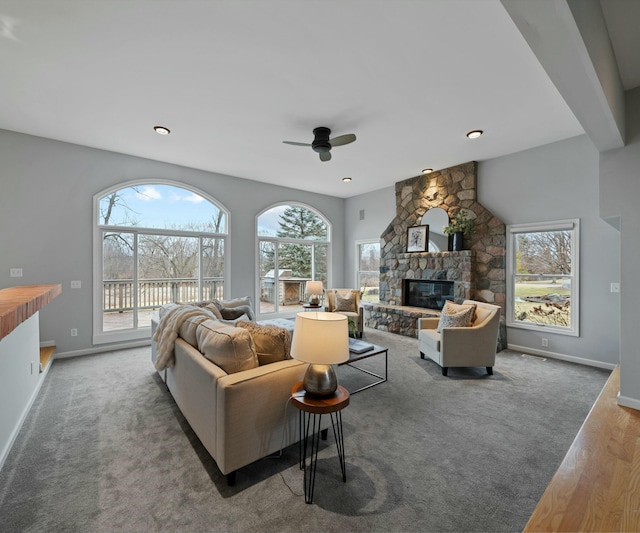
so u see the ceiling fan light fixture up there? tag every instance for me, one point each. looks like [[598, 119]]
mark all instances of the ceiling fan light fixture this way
[[474, 134], [162, 130]]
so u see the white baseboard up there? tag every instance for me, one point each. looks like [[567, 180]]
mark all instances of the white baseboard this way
[[625, 401], [561, 357], [47, 344], [14, 435], [102, 349]]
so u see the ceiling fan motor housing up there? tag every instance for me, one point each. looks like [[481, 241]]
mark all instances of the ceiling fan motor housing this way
[[321, 142]]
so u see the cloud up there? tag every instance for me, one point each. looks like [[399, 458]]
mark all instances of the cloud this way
[[148, 193], [194, 198]]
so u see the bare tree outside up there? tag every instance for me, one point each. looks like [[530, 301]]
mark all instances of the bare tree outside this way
[[168, 262], [543, 278]]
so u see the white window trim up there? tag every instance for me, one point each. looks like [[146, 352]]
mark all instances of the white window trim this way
[[557, 225], [358, 243], [125, 335], [277, 240]]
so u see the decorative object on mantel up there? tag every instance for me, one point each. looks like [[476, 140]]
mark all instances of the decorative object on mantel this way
[[459, 226], [418, 238]]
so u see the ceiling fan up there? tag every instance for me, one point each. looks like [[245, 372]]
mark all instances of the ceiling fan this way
[[322, 144]]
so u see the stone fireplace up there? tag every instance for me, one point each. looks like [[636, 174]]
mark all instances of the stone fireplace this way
[[477, 272]]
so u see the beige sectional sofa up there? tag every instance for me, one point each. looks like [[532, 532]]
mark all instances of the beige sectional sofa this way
[[232, 382]]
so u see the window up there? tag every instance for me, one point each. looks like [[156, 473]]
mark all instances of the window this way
[[154, 243], [368, 270], [293, 248], [542, 269]]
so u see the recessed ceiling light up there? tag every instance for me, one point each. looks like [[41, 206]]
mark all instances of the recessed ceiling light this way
[[427, 170], [162, 130], [474, 134], [346, 179]]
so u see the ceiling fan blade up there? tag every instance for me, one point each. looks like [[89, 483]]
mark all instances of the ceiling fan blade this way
[[342, 139], [325, 156], [296, 144]]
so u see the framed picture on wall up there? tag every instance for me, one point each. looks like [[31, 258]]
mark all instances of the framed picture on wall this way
[[418, 238]]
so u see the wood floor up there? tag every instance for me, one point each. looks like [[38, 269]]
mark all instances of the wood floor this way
[[45, 356], [597, 487]]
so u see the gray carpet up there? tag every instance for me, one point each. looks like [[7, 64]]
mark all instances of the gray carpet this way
[[105, 448]]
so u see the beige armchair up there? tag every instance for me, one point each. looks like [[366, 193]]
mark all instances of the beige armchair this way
[[346, 302], [469, 346]]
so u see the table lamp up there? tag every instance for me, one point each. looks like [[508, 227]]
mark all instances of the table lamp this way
[[320, 339], [314, 288]]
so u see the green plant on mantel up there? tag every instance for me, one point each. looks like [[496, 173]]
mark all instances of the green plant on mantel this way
[[460, 223]]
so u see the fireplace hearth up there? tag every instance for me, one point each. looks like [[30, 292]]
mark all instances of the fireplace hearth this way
[[427, 293]]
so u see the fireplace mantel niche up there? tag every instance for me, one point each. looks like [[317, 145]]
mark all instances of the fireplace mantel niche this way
[[478, 272]]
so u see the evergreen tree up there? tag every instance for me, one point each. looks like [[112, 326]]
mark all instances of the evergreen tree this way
[[299, 223]]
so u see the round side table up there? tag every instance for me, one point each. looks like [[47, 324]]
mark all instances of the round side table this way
[[311, 411]]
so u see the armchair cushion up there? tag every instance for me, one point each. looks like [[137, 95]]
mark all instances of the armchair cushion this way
[[346, 303], [456, 315]]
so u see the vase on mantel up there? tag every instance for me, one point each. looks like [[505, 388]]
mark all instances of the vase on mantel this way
[[456, 245]]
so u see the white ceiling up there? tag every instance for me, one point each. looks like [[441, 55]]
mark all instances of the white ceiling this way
[[232, 79]]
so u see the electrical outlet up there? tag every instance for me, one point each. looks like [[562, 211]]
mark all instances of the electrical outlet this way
[[15, 272], [76, 284], [74, 332], [615, 287], [545, 343]]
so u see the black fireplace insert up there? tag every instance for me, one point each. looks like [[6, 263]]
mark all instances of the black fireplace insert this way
[[427, 293]]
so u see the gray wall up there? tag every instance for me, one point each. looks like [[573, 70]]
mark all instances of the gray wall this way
[[379, 209], [552, 182], [47, 189], [619, 198]]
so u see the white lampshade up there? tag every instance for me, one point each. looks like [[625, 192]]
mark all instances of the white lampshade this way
[[314, 287], [320, 338]]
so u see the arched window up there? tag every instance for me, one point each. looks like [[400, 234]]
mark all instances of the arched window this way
[[154, 243], [293, 248]]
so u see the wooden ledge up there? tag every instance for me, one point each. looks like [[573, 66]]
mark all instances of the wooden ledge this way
[[17, 304], [597, 486]]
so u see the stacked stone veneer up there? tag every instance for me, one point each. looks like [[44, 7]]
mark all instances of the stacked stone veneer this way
[[478, 272]]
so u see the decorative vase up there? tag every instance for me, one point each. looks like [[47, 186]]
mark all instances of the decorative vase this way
[[457, 241]]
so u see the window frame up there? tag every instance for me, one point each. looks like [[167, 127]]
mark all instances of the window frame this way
[[358, 244], [287, 240], [513, 230], [99, 336]]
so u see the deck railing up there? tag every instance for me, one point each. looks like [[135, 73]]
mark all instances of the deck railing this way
[[117, 295]]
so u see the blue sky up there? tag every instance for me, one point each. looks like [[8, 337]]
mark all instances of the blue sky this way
[[165, 206]]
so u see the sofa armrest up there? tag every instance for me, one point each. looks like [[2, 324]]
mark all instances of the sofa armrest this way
[[474, 345], [253, 415], [428, 323]]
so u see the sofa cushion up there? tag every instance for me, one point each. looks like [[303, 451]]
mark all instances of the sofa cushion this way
[[189, 327], [229, 347], [455, 315], [271, 342], [346, 302]]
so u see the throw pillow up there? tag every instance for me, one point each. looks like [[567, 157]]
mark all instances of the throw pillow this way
[[272, 343], [455, 315], [230, 348], [237, 302], [346, 303], [232, 313]]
